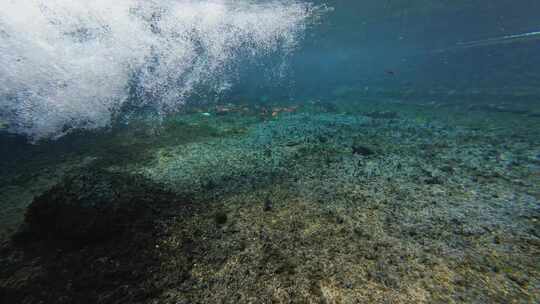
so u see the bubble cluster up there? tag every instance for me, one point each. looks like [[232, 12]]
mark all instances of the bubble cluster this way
[[67, 64]]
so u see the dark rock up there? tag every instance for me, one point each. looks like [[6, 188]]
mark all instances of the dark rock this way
[[267, 204], [210, 185], [124, 216], [93, 206], [433, 180], [220, 218], [362, 150]]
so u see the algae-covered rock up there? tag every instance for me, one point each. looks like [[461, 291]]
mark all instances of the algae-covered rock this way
[[94, 206]]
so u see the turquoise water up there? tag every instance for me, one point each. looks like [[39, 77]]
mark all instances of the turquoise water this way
[[269, 151]]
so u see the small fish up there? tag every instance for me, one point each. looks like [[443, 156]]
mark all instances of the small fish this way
[[390, 72]]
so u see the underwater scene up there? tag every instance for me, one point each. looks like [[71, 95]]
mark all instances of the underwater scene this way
[[269, 151]]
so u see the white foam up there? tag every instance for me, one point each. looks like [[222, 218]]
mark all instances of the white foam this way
[[67, 63]]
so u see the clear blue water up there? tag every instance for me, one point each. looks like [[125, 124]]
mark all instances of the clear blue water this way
[[358, 43]]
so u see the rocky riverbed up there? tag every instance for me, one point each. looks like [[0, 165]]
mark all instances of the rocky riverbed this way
[[362, 202]]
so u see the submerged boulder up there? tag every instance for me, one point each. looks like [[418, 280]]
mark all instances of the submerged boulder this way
[[362, 150], [95, 205]]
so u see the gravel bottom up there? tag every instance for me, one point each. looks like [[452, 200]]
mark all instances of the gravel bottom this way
[[389, 203]]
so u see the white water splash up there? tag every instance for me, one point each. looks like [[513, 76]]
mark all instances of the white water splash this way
[[67, 64]]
